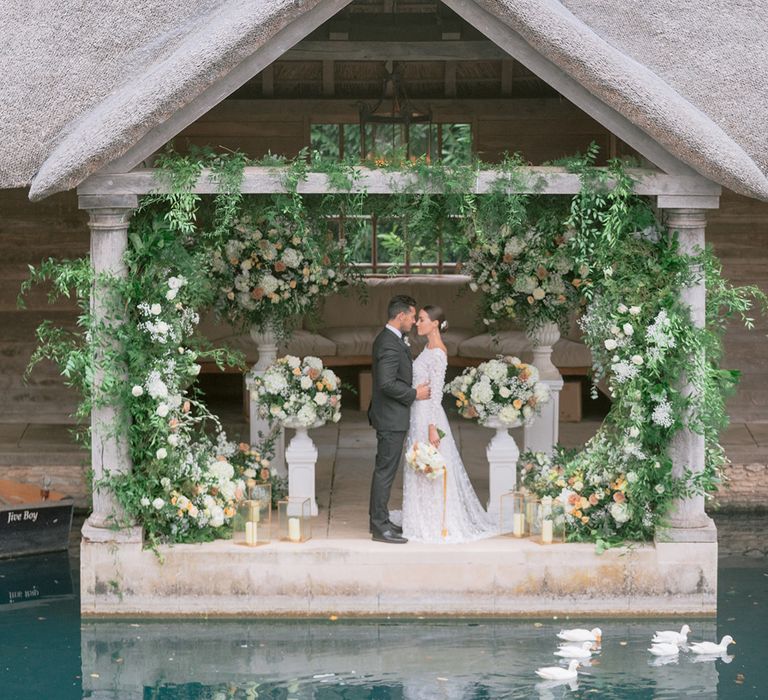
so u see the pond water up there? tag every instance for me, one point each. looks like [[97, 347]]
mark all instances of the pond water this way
[[47, 652]]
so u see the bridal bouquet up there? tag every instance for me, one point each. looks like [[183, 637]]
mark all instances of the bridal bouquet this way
[[271, 271], [425, 459], [298, 391], [504, 389]]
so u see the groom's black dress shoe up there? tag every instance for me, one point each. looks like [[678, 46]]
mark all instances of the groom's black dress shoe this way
[[388, 536], [390, 526]]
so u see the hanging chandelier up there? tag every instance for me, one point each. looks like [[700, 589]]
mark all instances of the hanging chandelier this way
[[394, 108]]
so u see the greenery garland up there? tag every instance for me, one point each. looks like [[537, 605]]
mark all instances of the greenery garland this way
[[621, 253]]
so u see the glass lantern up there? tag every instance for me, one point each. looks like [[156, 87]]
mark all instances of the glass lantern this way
[[294, 519], [551, 516], [253, 525], [532, 510], [512, 514]]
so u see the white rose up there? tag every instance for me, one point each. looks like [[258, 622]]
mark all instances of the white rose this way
[[158, 503], [162, 327], [145, 501], [634, 310], [473, 286], [504, 392], [217, 516], [162, 410], [509, 415], [623, 309], [173, 440], [619, 512], [578, 486], [170, 295], [137, 390], [628, 329], [539, 293], [306, 383], [637, 360], [337, 416], [293, 361], [321, 398], [631, 477], [155, 309], [162, 453], [610, 344], [176, 282]]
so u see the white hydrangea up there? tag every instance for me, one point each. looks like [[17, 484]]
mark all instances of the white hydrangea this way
[[495, 370], [307, 415], [269, 284], [481, 393], [158, 503], [221, 470], [293, 361], [306, 382], [313, 362], [275, 382], [619, 512], [291, 257], [156, 387]]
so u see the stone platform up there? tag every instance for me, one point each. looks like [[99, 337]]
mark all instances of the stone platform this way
[[322, 577]]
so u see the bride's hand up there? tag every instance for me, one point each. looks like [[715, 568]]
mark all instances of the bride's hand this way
[[434, 437]]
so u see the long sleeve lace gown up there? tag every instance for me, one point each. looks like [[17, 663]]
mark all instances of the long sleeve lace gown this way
[[465, 518]]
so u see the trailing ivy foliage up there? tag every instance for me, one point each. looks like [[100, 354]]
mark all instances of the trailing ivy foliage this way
[[614, 259]]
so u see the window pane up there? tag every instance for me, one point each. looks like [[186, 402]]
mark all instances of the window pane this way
[[351, 142], [419, 140], [390, 245], [325, 140], [457, 143], [358, 238]]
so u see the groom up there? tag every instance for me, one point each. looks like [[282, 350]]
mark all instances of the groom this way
[[390, 410]]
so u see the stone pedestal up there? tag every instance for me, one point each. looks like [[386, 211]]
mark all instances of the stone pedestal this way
[[688, 522], [266, 343], [502, 453], [301, 456], [543, 433]]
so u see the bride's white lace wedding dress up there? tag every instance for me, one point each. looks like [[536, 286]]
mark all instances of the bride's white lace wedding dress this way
[[465, 517]]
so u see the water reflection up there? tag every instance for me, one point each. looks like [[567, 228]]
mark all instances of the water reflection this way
[[451, 660]]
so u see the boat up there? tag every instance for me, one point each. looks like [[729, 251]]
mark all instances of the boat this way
[[36, 580], [33, 520]]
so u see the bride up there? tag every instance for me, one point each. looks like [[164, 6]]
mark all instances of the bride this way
[[465, 518]]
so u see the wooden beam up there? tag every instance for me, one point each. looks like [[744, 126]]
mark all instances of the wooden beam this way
[[398, 50], [536, 179]]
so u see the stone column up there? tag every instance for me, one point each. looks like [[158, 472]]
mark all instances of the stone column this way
[[688, 522], [109, 217]]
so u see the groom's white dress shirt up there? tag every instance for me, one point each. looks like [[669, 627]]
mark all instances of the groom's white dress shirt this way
[[395, 331]]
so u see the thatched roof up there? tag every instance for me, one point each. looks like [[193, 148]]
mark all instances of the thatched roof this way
[[80, 83]]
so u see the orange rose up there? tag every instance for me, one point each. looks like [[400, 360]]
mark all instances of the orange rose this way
[[244, 447], [517, 403], [257, 293], [573, 499], [264, 474], [619, 497], [531, 300], [593, 500], [297, 372], [576, 282], [585, 519], [314, 374], [279, 266]]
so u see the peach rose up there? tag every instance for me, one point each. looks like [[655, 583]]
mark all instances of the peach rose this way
[[619, 497]]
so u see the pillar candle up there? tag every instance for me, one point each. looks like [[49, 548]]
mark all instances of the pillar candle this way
[[546, 532], [294, 529], [254, 508], [518, 524], [251, 533]]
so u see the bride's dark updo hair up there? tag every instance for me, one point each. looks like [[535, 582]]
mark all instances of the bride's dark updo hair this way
[[435, 313]]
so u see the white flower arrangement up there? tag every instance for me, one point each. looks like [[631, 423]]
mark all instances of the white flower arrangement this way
[[426, 460], [525, 272], [301, 392], [271, 271], [504, 388]]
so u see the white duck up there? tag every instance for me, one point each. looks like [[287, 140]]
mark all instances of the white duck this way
[[558, 673], [664, 649], [570, 651], [711, 648], [671, 637], [581, 635]]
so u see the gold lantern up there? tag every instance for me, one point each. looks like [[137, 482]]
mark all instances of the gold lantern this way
[[512, 514], [551, 516], [253, 525], [294, 520]]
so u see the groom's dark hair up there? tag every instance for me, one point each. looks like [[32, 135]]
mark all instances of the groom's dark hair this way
[[401, 303]]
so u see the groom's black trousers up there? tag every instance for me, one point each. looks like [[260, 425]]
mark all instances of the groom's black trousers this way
[[388, 453]]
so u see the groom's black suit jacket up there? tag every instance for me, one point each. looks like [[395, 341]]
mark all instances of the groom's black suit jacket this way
[[392, 393]]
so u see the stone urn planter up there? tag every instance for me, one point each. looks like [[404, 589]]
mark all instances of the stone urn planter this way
[[301, 457], [502, 453]]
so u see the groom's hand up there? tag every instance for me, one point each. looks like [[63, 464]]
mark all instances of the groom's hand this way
[[423, 392]]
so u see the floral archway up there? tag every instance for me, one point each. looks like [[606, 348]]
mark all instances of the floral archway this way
[[266, 260]]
